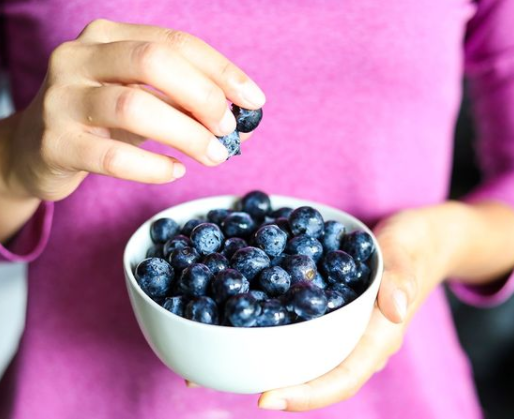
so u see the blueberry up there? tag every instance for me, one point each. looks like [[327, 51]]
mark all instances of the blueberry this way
[[281, 223], [228, 283], [182, 258], [232, 245], [177, 242], [257, 204], [250, 261], [305, 245], [247, 120], [207, 238], [271, 239], [259, 295], [333, 235], [274, 281], [348, 293], [278, 260], [273, 313], [155, 251], [194, 280], [238, 224], [176, 305], [216, 262], [188, 227], [363, 277], [202, 310], [232, 143], [307, 300], [319, 281], [359, 245], [242, 310], [300, 267], [306, 220], [163, 229], [217, 216], [154, 276], [283, 212], [335, 300], [339, 266]]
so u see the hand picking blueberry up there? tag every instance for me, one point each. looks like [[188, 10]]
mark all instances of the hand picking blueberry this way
[[255, 266], [232, 143], [247, 120]]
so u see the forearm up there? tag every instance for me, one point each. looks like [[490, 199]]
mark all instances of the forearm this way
[[15, 208], [475, 241]]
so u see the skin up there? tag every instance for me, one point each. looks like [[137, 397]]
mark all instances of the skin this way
[[82, 121]]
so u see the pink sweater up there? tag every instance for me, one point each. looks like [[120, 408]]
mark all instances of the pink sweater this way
[[362, 101]]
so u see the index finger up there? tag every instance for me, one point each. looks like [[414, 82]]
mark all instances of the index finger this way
[[237, 86]]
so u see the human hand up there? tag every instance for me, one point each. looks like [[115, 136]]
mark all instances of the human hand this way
[[414, 262], [110, 89]]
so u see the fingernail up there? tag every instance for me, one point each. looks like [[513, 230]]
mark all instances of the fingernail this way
[[400, 302], [178, 170], [227, 123], [216, 151], [253, 94], [271, 403]]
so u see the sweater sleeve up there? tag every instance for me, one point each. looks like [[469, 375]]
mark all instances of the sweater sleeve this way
[[31, 240], [489, 65]]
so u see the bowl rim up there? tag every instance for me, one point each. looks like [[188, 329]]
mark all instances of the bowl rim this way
[[242, 330]]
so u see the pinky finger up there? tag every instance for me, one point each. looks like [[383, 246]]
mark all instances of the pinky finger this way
[[121, 160]]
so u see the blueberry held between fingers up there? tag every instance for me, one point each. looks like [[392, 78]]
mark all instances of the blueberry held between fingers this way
[[273, 313], [163, 229], [250, 261], [232, 143], [305, 245], [306, 220], [154, 276], [271, 239], [339, 266], [257, 204], [183, 257], [238, 224], [188, 227], [300, 268], [202, 310], [242, 310], [332, 236], [228, 283], [232, 245], [216, 262], [247, 120], [207, 238], [195, 280], [176, 305], [359, 245], [178, 242], [274, 281], [307, 300]]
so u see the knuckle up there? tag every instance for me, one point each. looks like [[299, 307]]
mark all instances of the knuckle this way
[[61, 55], [229, 72], [96, 29], [214, 100], [147, 57], [125, 105], [109, 161], [177, 39]]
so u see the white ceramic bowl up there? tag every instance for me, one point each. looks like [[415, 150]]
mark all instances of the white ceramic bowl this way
[[249, 360]]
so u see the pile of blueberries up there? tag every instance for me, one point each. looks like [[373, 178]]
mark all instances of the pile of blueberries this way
[[253, 266], [246, 121]]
